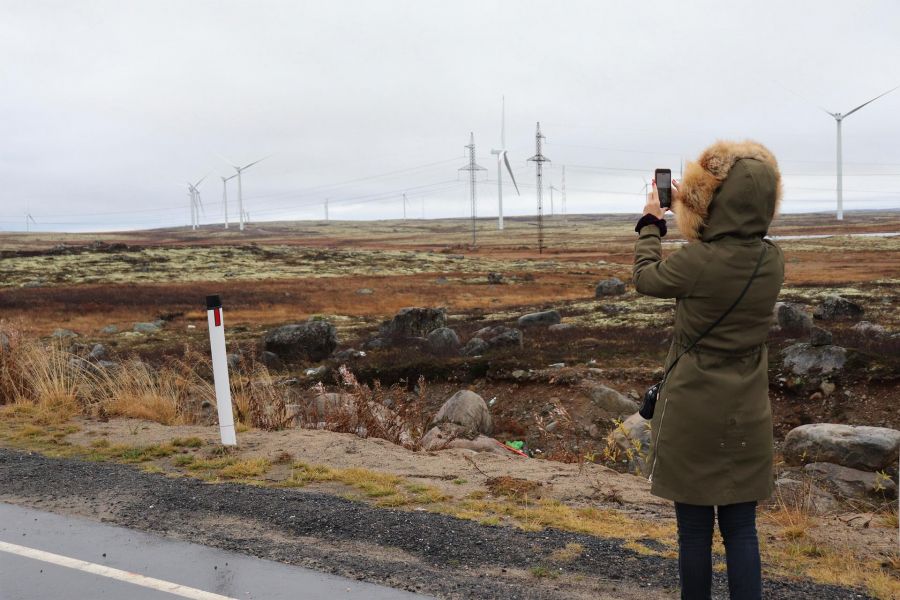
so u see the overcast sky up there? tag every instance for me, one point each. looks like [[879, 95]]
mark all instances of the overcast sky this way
[[108, 108]]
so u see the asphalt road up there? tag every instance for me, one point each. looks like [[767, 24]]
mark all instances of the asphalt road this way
[[49, 556]]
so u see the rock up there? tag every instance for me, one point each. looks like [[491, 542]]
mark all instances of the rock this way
[[495, 278], [609, 287], [270, 360], [233, 360], [313, 340], [109, 330], [4, 342], [792, 318], [498, 337], [349, 354], [442, 281], [447, 436], [852, 483], [556, 365], [146, 327], [827, 388], [107, 364], [870, 329], [316, 371], [854, 446], [803, 359], [547, 317], [35, 283], [364, 291], [561, 326], [805, 496], [443, 340], [63, 334], [613, 309], [610, 401], [375, 344], [835, 307], [98, 352], [475, 347], [468, 409], [819, 337], [414, 322], [632, 437]]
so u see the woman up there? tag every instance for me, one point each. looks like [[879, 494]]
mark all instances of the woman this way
[[711, 441]]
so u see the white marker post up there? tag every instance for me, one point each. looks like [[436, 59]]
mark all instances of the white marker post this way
[[220, 369]]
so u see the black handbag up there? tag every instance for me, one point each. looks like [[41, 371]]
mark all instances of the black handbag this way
[[652, 394]]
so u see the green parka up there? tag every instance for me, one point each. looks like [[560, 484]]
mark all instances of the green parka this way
[[711, 433]]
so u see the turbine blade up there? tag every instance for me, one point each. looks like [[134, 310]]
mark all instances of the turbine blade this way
[[509, 170], [869, 102], [229, 161], [255, 162]]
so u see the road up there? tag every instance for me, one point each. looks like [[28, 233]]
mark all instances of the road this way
[[49, 556]]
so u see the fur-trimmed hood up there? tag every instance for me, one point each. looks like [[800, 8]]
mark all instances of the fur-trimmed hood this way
[[734, 189]]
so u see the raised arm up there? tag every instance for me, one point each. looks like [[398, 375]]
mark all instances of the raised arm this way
[[673, 277]]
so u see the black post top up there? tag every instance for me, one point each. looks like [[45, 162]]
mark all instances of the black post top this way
[[214, 301]]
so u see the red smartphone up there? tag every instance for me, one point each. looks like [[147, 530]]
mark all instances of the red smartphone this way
[[664, 187]]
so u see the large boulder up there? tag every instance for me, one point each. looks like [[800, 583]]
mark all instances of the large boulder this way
[[870, 330], [852, 483], [475, 347], [443, 340], [313, 340], [449, 435], [609, 287], [819, 337], [490, 338], [413, 322], [792, 318], [632, 439], [538, 319], [835, 307], [151, 327], [854, 446], [806, 359], [62, 334], [609, 400], [467, 409], [804, 495]]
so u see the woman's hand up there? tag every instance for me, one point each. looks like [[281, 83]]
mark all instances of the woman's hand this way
[[652, 207]]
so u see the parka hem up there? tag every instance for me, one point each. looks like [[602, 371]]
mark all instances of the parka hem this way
[[704, 499]]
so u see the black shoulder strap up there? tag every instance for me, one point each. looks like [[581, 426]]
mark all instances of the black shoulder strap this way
[[725, 314]]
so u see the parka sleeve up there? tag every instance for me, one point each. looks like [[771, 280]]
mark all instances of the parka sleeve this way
[[673, 277]]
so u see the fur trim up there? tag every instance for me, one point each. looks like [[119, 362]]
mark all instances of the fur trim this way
[[702, 179]]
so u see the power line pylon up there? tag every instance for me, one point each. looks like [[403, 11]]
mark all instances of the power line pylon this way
[[472, 167], [539, 160]]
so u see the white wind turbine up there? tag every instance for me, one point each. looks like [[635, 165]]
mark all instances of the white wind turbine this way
[[29, 220], [240, 192], [196, 203], [225, 195], [502, 159], [839, 118]]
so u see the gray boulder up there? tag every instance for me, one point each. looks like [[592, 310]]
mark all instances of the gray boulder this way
[[98, 352], [792, 318], [870, 330], [4, 342], [365, 291], [835, 307], [109, 330], [449, 435], [609, 287], [349, 354], [499, 337], [805, 359], [313, 340], [609, 400], [233, 359], [852, 483], [270, 360], [819, 337], [414, 322], [146, 327], [467, 409], [561, 327], [63, 334], [804, 495], [475, 347], [443, 340], [854, 446], [544, 318], [632, 438]]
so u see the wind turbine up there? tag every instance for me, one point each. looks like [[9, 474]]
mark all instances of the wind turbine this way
[[839, 118], [501, 160], [196, 203], [240, 193], [225, 195], [552, 188], [28, 221]]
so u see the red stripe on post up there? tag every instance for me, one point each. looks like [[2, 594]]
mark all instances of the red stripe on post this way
[[218, 316]]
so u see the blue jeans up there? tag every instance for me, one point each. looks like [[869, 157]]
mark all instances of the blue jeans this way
[[737, 523]]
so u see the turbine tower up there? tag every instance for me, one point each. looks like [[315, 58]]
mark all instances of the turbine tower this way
[[225, 195], [839, 118], [539, 160], [472, 168], [564, 212], [240, 191], [196, 203], [502, 159], [326, 208], [28, 221]]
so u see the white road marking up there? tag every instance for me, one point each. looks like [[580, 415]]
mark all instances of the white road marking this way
[[104, 571]]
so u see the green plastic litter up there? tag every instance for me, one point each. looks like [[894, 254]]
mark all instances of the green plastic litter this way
[[517, 444]]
